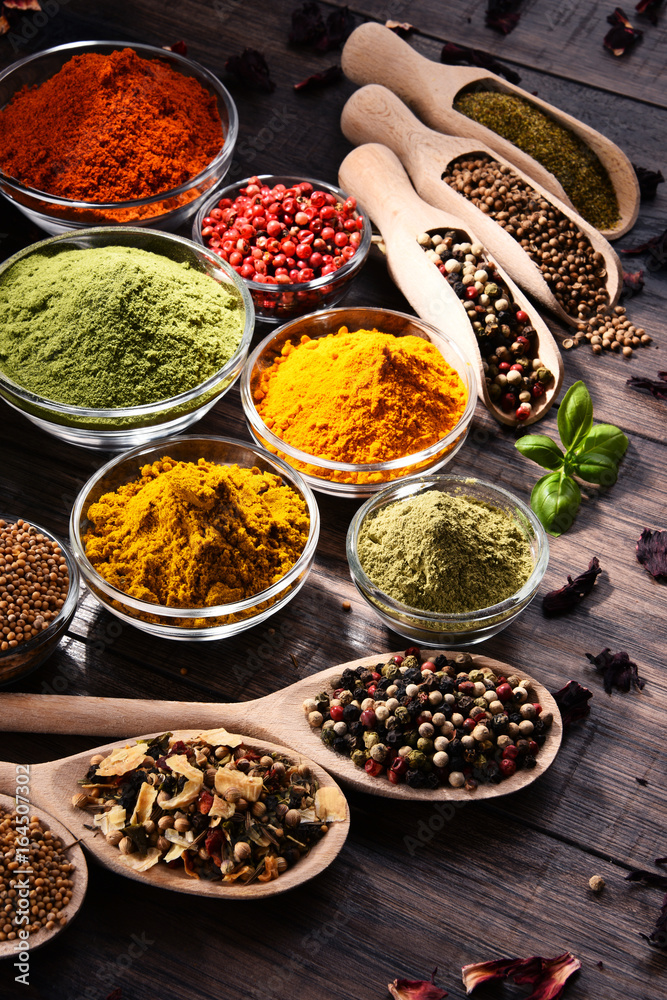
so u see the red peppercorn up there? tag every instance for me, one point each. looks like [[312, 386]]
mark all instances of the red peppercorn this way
[[516, 368], [533, 748], [504, 692], [398, 659], [537, 707], [336, 713], [510, 753], [429, 665], [504, 366], [376, 676], [466, 687], [367, 718], [373, 768], [521, 316], [537, 390], [507, 767], [523, 341], [471, 291], [522, 414], [469, 725], [372, 688], [413, 651]]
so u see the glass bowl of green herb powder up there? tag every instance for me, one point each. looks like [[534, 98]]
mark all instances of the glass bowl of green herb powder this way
[[112, 337], [445, 560]]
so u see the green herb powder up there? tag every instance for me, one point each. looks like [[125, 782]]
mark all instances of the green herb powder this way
[[571, 161], [444, 553], [114, 326]]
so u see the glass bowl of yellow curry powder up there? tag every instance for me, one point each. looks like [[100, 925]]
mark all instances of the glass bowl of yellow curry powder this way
[[447, 561], [195, 537], [354, 398], [113, 337]]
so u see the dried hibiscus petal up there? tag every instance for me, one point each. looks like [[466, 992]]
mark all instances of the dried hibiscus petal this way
[[250, 68], [318, 80], [503, 15], [559, 602], [339, 26], [400, 28], [650, 8], [618, 671], [307, 24], [652, 545], [648, 181], [461, 55], [416, 989], [658, 936], [633, 283], [657, 387], [4, 25], [656, 247], [22, 4], [621, 37], [572, 701], [180, 48], [547, 976]]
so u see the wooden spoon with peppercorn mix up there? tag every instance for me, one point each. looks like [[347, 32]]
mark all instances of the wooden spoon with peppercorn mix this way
[[278, 716], [375, 54], [375, 176]]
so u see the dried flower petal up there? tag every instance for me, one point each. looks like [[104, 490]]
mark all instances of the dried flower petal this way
[[309, 27], [416, 989], [650, 8], [656, 247], [658, 936], [655, 880], [572, 701], [318, 80], [22, 4], [648, 181], [461, 55], [652, 545], [655, 387], [502, 15], [401, 28], [4, 25], [633, 284], [618, 671], [180, 48], [250, 68], [547, 976], [559, 602], [339, 26], [621, 37]]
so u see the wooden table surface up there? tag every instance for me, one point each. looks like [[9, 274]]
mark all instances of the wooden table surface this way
[[411, 890]]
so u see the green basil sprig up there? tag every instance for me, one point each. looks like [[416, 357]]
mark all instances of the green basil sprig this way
[[592, 452]]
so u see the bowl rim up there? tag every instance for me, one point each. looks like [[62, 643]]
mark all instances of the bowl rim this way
[[347, 270], [71, 600], [229, 139], [90, 574], [423, 484], [145, 409], [260, 428]]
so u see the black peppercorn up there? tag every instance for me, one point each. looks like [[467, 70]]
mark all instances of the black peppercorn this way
[[415, 779], [351, 713]]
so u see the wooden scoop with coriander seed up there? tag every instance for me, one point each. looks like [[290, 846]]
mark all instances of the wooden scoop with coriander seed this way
[[374, 114], [277, 716], [375, 54], [375, 176], [53, 785]]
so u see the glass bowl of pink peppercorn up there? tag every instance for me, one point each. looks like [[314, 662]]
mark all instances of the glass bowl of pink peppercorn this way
[[297, 242]]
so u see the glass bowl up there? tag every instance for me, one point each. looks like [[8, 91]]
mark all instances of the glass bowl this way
[[278, 303], [27, 656], [168, 210], [342, 478], [450, 630], [188, 624], [125, 427]]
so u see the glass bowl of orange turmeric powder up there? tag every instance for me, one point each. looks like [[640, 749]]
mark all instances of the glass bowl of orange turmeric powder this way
[[102, 133], [195, 538], [355, 398]]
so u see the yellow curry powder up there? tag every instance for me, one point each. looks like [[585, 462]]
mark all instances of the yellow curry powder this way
[[189, 535], [360, 397]]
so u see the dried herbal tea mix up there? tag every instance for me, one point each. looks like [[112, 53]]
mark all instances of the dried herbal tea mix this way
[[432, 722], [205, 803]]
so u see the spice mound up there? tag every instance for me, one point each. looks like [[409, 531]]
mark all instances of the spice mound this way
[[204, 803], [432, 721], [360, 397], [34, 582], [49, 879], [188, 535], [444, 553], [113, 326], [582, 176], [110, 128]]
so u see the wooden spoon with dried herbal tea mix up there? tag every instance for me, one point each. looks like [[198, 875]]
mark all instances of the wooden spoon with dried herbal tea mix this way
[[207, 803]]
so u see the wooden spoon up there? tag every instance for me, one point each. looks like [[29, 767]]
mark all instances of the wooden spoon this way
[[374, 54], [374, 114], [75, 856], [54, 783], [276, 716], [374, 175]]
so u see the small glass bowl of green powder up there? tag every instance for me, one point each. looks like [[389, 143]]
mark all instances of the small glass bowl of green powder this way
[[114, 337], [445, 560]]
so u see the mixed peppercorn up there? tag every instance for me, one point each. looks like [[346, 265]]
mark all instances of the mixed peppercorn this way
[[515, 376], [432, 722]]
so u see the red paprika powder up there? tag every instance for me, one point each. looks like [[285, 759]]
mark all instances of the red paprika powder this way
[[109, 128]]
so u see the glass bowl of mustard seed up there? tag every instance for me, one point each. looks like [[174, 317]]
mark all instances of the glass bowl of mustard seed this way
[[195, 538], [111, 133], [354, 398], [39, 592], [447, 560], [113, 337]]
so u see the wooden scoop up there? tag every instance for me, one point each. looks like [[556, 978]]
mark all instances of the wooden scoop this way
[[374, 114], [276, 716], [374, 54], [73, 853], [374, 175], [53, 784]]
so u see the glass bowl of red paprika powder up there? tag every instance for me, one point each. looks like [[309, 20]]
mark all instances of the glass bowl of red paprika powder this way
[[157, 135]]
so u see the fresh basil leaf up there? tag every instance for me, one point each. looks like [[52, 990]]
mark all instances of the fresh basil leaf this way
[[575, 415], [555, 499], [603, 438], [541, 449], [596, 467]]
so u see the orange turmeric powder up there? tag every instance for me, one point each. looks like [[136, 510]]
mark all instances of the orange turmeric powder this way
[[189, 535], [361, 397]]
